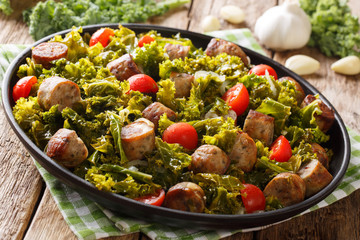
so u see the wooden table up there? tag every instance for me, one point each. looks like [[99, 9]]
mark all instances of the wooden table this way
[[27, 210]]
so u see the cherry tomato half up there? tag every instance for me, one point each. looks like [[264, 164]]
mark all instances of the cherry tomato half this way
[[181, 133], [143, 83], [23, 87], [156, 199], [237, 98], [280, 150], [253, 198], [261, 69], [102, 35], [145, 40]]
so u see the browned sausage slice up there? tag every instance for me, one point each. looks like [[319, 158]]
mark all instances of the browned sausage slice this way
[[259, 126], [315, 176], [321, 154], [217, 46], [326, 119], [138, 138], [243, 153], [177, 51], [57, 90], [123, 67], [300, 94], [46, 52], [154, 111], [287, 187], [67, 148], [185, 196], [209, 159], [183, 83]]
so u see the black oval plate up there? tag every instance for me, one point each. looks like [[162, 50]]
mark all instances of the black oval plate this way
[[339, 142]]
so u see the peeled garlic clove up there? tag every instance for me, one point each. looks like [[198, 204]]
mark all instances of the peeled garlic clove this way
[[349, 65], [302, 64], [210, 23], [232, 14]]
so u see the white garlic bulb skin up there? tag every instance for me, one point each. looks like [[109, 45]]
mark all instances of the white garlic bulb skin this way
[[302, 64], [349, 65], [232, 14], [210, 23], [284, 27]]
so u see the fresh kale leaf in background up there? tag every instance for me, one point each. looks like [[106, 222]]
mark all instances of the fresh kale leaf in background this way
[[334, 30], [50, 16], [5, 7]]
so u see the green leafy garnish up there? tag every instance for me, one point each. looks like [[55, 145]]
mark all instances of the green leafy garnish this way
[[334, 30], [53, 16]]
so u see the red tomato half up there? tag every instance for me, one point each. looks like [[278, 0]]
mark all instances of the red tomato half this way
[[280, 150], [143, 83], [181, 133], [261, 69], [157, 199], [237, 98], [23, 87], [253, 198], [102, 35], [145, 40]]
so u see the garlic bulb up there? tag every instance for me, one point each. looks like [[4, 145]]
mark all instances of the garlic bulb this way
[[232, 14], [349, 65], [210, 23], [302, 64], [284, 27]]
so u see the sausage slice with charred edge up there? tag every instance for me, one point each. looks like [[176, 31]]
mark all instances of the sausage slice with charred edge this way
[[259, 126], [177, 51], [243, 153], [300, 94], [138, 138], [315, 176], [217, 46], [209, 159], [67, 148], [321, 154], [46, 52], [183, 83], [123, 67], [327, 117], [288, 188], [185, 196], [57, 90], [154, 111]]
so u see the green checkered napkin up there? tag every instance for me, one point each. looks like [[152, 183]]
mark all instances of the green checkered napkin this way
[[88, 220]]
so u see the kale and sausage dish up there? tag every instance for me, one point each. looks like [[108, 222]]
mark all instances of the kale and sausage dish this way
[[158, 120]]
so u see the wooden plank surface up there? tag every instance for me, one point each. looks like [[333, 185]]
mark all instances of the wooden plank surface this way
[[28, 213]]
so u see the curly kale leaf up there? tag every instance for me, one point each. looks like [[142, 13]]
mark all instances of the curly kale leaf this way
[[230, 66], [335, 31], [38, 125], [168, 163], [5, 7], [166, 93], [260, 88], [116, 123], [88, 131], [221, 191], [115, 179], [279, 111], [53, 16], [205, 92], [149, 57], [225, 136], [77, 48]]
